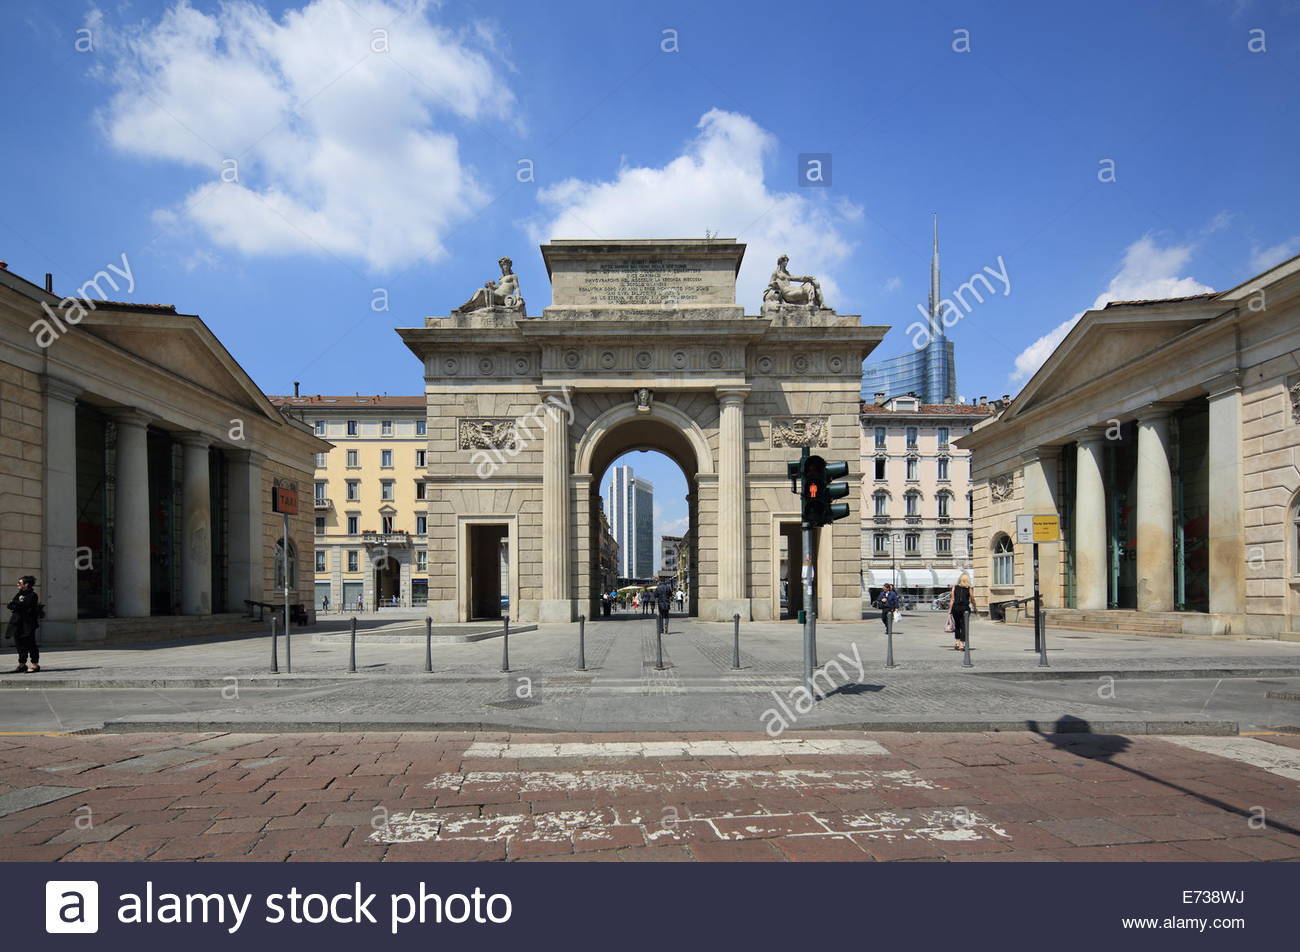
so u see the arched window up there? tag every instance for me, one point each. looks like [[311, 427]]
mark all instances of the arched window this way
[[1295, 537], [279, 566], [1004, 560], [881, 499]]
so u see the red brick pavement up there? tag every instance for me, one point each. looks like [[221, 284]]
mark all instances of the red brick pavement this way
[[419, 797]]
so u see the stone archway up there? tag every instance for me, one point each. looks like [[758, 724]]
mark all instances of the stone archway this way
[[643, 345], [627, 427]]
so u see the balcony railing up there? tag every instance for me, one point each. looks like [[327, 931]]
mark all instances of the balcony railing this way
[[881, 520], [386, 538], [323, 502]]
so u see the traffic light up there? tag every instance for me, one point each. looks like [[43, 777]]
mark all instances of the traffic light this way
[[819, 489]]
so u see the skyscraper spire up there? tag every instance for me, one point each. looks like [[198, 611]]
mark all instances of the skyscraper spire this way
[[934, 283]]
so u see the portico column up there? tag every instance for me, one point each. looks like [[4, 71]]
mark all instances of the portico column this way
[[1090, 523], [196, 518], [732, 594], [1040, 471], [59, 582], [1227, 498], [131, 576], [245, 502], [557, 603], [1155, 512]]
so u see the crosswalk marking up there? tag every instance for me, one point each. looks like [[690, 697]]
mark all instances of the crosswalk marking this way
[[795, 746]]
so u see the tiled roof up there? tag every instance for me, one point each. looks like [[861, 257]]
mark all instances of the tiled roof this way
[[954, 409], [1172, 300], [97, 304], [345, 401]]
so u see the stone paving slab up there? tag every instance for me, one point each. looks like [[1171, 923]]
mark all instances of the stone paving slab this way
[[681, 797]]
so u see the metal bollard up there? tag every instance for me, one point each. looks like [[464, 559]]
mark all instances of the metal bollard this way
[[428, 645], [965, 659], [352, 648], [889, 639], [582, 642], [735, 642], [659, 646], [1042, 639], [288, 651], [505, 645], [275, 663]]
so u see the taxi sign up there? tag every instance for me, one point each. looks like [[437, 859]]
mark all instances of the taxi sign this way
[[1038, 529]]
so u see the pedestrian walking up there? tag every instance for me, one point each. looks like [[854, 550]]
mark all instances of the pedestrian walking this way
[[606, 603], [887, 602], [636, 602], [360, 603], [26, 618], [325, 603], [681, 600], [961, 602], [664, 600]]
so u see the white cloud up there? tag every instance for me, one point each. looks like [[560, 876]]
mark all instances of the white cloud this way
[[717, 184], [342, 147], [893, 284], [1262, 259], [1148, 272]]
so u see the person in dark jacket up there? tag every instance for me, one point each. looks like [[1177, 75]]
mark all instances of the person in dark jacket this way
[[887, 602], [664, 599], [961, 603], [24, 621]]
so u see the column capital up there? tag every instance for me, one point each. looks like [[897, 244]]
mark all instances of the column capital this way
[[129, 416], [1090, 435], [1156, 410], [733, 394], [251, 457], [59, 389], [192, 438], [1034, 453], [1223, 385]]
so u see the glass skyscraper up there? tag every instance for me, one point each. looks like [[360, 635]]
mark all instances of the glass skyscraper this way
[[930, 372], [631, 522]]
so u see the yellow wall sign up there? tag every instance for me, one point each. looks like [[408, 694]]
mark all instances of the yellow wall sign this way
[[1038, 529]]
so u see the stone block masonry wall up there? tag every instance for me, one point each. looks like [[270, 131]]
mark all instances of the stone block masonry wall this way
[[302, 534], [1271, 470], [991, 519], [21, 442]]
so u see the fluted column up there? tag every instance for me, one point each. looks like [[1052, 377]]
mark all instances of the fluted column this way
[[1155, 512], [732, 549], [1227, 498], [1090, 563], [557, 601], [59, 580], [196, 518], [131, 570]]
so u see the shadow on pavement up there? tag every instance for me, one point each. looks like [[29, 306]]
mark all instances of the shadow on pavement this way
[[1074, 736]]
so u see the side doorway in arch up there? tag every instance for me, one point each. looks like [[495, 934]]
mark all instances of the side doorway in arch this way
[[488, 566]]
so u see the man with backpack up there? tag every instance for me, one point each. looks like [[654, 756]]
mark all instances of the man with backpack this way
[[664, 600]]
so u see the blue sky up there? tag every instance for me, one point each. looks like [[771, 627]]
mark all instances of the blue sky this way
[[289, 170]]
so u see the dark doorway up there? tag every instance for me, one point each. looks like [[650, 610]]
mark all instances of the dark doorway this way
[[486, 560], [791, 580], [388, 582]]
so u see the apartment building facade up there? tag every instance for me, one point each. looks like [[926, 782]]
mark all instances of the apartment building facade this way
[[916, 494], [368, 500]]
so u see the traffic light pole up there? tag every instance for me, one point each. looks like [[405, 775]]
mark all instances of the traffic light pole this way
[[809, 611]]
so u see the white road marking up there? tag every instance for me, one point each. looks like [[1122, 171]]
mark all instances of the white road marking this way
[[947, 824], [781, 747], [670, 781], [1283, 761]]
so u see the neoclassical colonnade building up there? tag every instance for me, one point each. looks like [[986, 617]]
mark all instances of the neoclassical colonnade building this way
[[642, 347], [1166, 436], [136, 468]]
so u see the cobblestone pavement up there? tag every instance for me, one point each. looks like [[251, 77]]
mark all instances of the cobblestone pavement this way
[[673, 797]]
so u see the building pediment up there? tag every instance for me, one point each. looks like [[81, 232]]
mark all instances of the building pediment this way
[[181, 346], [1107, 341]]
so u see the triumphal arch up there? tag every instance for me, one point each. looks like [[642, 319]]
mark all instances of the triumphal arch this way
[[643, 347]]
